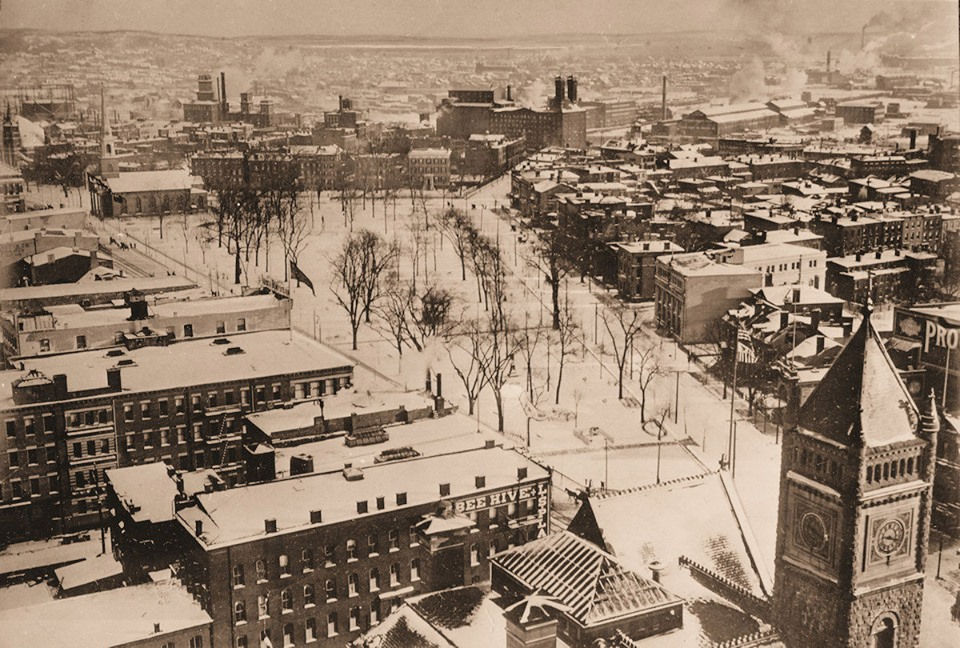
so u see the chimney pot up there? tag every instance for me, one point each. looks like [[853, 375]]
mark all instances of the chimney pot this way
[[198, 527], [270, 525], [316, 517], [522, 472]]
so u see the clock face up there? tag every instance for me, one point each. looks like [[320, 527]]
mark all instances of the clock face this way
[[890, 537], [813, 531]]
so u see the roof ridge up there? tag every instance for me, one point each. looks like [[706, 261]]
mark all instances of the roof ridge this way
[[652, 486]]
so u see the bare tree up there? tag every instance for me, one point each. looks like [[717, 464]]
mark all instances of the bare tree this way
[[468, 367], [553, 261], [392, 313], [431, 312], [496, 355], [457, 228], [622, 325], [529, 343], [649, 368], [567, 335], [358, 271]]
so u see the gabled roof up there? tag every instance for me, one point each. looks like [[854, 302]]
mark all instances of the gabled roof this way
[[861, 399], [696, 517], [589, 581]]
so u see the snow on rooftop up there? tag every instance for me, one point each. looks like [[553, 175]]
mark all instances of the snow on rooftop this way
[[146, 491], [237, 514], [166, 180], [119, 616]]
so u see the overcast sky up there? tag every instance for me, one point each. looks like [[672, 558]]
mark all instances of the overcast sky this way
[[451, 18]]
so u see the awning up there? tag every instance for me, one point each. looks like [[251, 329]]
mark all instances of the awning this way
[[902, 344], [403, 591]]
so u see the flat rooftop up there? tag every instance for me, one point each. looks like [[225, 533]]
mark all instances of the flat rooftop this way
[[73, 316], [146, 491], [949, 312], [119, 616], [83, 288], [238, 514], [185, 363]]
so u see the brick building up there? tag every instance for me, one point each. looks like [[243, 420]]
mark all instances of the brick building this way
[[68, 418], [855, 233], [636, 266], [888, 275], [428, 168], [323, 557]]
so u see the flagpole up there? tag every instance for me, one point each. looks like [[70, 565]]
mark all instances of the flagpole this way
[[733, 393]]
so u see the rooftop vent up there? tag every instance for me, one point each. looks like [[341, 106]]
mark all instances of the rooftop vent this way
[[221, 341], [113, 353], [480, 481], [522, 472], [270, 525], [126, 362], [234, 350], [352, 474], [401, 499], [444, 490], [316, 517]]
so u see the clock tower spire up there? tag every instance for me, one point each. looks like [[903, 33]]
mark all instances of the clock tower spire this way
[[855, 497]]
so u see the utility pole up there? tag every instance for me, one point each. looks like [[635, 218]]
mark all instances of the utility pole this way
[[676, 399]]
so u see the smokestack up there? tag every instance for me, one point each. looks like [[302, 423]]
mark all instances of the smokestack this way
[[863, 37], [509, 93], [571, 89], [558, 90], [223, 89], [913, 138], [663, 100], [828, 61]]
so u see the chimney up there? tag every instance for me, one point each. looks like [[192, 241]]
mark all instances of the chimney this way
[[820, 341], [572, 89], [156, 628], [198, 527], [509, 93], [815, 319], [480, 481], [270, 525], [878, 254], [529, 625], [223, 90], [784, 319], [558, 91], [858, 256], [114, 380], [60, 386], [663, 100], [828, 61], [521, 472], [656, 570], [913, 138], [316, 517], [439, 385]]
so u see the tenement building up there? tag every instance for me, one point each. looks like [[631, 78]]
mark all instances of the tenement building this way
[[855, 501], [68, 418], [319, 558]]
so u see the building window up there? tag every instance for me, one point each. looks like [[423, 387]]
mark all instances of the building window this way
[[352, 585], [354, 618], [332, 624], [329, 555], [44, 345], [188, 330], [374, 579], [330, 587], [311, 630], [351, 549], [237, 575], [11, 429], [263, 611], [286, 601], [241, 641], [221, 326], [415, 569], [261, 570], [163, 407], [393, 537], [372, 545], [127, 412], [245, 397], [242, 324], [265, 638], [77, 451], [287, 635], [394, 575], [374, 613], [196, 641], [474, 555], [308, 597], [284, 563], [145, 410], [81, 341], [178, 404], [276, 391], [306, 557], [239, 612]]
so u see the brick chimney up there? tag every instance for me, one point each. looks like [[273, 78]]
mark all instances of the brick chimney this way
[[529, 626]]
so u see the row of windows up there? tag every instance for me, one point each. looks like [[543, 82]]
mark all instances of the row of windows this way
[[90, 448], [885, 470], [818, 462], [47, 424], [310, 630], [30, 457], [35, 487], [89, 418], [330, 592]]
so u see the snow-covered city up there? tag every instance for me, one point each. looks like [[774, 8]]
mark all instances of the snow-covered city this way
[[443, 325]]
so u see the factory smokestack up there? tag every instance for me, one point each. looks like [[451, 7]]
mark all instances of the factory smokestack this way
[[663, 100], [558, 90], [223, 88], [828, 61], [572, 89], [863, 36]]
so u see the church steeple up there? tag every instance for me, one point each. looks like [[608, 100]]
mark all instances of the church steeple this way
[[862, 400], [109, 161]]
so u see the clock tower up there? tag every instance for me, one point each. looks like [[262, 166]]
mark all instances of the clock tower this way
[[855, 499]]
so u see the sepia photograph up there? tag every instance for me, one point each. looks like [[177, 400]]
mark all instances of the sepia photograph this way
[[480, 324]]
